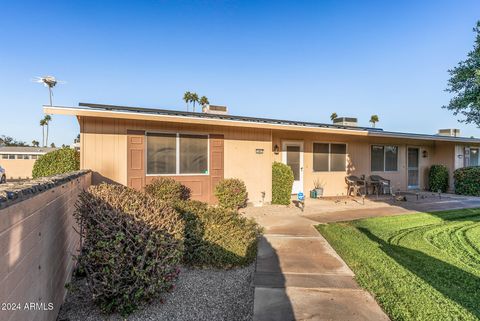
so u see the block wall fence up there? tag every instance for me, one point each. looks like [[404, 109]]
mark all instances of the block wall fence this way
[[37, 241]]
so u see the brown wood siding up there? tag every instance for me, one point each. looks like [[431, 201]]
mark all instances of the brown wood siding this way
[[136, 159], [216, 163], [201, 186]]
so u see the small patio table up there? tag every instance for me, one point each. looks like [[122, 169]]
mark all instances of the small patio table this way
[[375, 186]]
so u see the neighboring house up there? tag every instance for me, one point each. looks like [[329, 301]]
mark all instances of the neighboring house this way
[[132, 146], [18, 161]]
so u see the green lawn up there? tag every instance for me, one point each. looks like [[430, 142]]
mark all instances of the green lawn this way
[[422, 266]]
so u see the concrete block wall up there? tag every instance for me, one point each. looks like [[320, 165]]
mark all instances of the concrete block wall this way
[[37, 241]]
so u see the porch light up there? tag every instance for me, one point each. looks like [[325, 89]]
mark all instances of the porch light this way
[[425, 153], [276, 149]]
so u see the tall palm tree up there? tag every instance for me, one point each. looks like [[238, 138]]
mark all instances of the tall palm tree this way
[[35, 143], [194, 99], [43, 123], [186, 97], [333, 116], [204, 101], [374, 119], [47, 120]]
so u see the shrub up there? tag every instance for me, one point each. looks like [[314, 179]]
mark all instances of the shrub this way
[[282, 182], [231, 193], [467, 181], [59, 161], [217, 237], [438, 178], [131, 246], [168, 190]]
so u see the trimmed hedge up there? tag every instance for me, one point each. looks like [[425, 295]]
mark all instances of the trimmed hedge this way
[[168, 190], [131, 246], [231, 193], [438, 178], [217, 237], [59, 161], [282, 183], [467, 181]]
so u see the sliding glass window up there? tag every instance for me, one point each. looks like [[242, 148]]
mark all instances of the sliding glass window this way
[[177, 154], [329, 157], [384, 158]]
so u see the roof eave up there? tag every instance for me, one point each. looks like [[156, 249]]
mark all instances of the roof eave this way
[[85, 112]]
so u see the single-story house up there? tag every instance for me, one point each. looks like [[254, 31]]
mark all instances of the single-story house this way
[[18, 160], [133, 146]]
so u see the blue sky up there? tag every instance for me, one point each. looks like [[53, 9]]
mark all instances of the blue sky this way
[[297, 60]]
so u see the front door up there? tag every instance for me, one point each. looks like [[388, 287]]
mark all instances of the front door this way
[[413, 171], [293, 156]]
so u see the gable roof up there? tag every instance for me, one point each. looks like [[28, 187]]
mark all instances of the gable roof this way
[[127, 112]]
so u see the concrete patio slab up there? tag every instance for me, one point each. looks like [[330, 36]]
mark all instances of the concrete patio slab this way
[[315, 304], [356, 214], [281, 220], [299, 255], [304, 280]]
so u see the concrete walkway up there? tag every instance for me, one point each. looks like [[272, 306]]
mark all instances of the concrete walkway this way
[[300, 277]]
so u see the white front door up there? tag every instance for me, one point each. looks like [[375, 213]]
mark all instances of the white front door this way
[[292, 155]]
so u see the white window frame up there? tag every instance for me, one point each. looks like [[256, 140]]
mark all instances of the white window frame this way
[[330, 156], [384, 158], [177, 153]]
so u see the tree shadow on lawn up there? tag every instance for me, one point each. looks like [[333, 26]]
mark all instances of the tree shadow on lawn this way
[[454, 283]]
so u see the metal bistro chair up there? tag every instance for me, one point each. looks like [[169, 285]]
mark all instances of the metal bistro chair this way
[[382, 184], [355, 185]]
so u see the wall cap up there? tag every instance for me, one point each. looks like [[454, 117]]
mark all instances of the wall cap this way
[[12, 193]]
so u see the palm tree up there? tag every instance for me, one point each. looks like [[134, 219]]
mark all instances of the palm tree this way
[[333, 116], [35, 143], [194, 99], [374, 119], [47, 120], [204, 101], [43, 123], [186, 98]]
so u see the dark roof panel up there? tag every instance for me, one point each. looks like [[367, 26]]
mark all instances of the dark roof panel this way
[[224, 117], [373, 131]]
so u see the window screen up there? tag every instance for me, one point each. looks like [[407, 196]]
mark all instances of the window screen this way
[[474, 157], [320, 157], [391, 158], [384, 158], [293, 160], [193, 154], [329, 157], [161, 153], [338, 153], [377, 160]]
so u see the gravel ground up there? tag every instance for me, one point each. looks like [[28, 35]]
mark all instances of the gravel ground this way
[[199, 295]]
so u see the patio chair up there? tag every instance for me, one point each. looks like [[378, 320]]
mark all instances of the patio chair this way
[[355, 185], [382, 185]]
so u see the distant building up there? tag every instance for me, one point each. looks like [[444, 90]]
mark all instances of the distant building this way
[[18, 161]]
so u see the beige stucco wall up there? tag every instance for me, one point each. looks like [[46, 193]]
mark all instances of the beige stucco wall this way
[[104, 145], [37, 241], [104, 151], [18, 168], [358, 159]]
